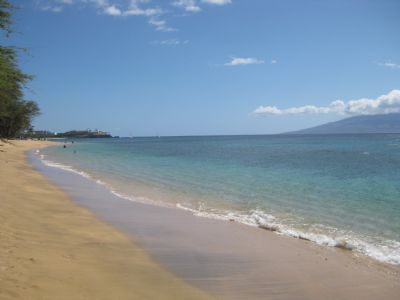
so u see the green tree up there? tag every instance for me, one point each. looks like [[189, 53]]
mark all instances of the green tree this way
[[16, 113], [5, 16]]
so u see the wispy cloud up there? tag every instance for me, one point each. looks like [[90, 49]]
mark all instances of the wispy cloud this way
[[148, 12], [389, 65], [115, 8], [217, 2], [389, 103], [170, 42], [160, 25], [110, 7], [187, 5], [129, 8], [54, 9], [242, 61], [135, 9], [193, 5]]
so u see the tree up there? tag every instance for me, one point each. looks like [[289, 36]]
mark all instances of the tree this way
[[16, 113], [5, 16]]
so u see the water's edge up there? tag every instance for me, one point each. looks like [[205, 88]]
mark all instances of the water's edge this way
[[255, 218]]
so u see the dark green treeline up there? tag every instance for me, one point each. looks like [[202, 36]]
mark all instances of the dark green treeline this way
[[16, 113]]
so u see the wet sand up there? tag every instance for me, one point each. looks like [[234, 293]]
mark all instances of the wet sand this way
[[231, 260], [50, 248]]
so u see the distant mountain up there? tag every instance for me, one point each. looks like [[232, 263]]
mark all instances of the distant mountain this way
[[389, 123]]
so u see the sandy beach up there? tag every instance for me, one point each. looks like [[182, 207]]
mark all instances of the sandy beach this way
[[50, 248]]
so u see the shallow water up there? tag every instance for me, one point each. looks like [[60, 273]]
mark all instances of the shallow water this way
[[334, 190]]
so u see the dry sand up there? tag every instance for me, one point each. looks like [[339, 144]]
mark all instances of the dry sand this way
[[50, 248]]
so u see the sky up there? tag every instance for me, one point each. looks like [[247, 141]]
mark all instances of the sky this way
[[205, 67]]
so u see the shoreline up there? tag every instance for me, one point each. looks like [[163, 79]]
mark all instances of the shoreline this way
[[146, 194], [232, 260], [51, 248]]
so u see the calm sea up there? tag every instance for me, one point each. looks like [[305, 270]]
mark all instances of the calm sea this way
[[339, 190]]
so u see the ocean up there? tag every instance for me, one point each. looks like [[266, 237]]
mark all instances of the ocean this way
[[336, 190]]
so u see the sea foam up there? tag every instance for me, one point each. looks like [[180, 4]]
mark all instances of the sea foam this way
[[388, 251]]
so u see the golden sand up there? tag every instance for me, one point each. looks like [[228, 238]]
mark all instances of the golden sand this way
[[50, 248]]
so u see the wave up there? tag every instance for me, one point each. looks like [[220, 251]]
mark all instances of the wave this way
[[86, 175], [137, 198], [387, 251], [64, 167]]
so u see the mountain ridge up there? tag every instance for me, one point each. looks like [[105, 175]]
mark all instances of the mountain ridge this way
[[383, 123]]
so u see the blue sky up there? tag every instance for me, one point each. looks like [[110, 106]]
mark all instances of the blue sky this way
[[208, 66]]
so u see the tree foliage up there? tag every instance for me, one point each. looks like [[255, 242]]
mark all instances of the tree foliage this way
[[16, 113], [5, 16]]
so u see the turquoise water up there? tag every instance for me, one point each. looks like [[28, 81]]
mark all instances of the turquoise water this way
[[334, 190]]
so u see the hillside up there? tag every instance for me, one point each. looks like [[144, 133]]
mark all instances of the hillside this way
[[389, 123]]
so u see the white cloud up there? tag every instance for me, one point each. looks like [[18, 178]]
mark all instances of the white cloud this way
[[170, 42], [66, 1], [148, 12], [54, 9], [123, 8], [192, 5], [112, 7], [187, 5], [240, 61], [131, 8], [137, 2], [160, 25], [217, 2], [389, 103], [336, 106], [100, 3], [112, 10], [389, 65], [135, 9], [274, 61]]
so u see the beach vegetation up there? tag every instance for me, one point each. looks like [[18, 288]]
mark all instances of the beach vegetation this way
[[16, 113]]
